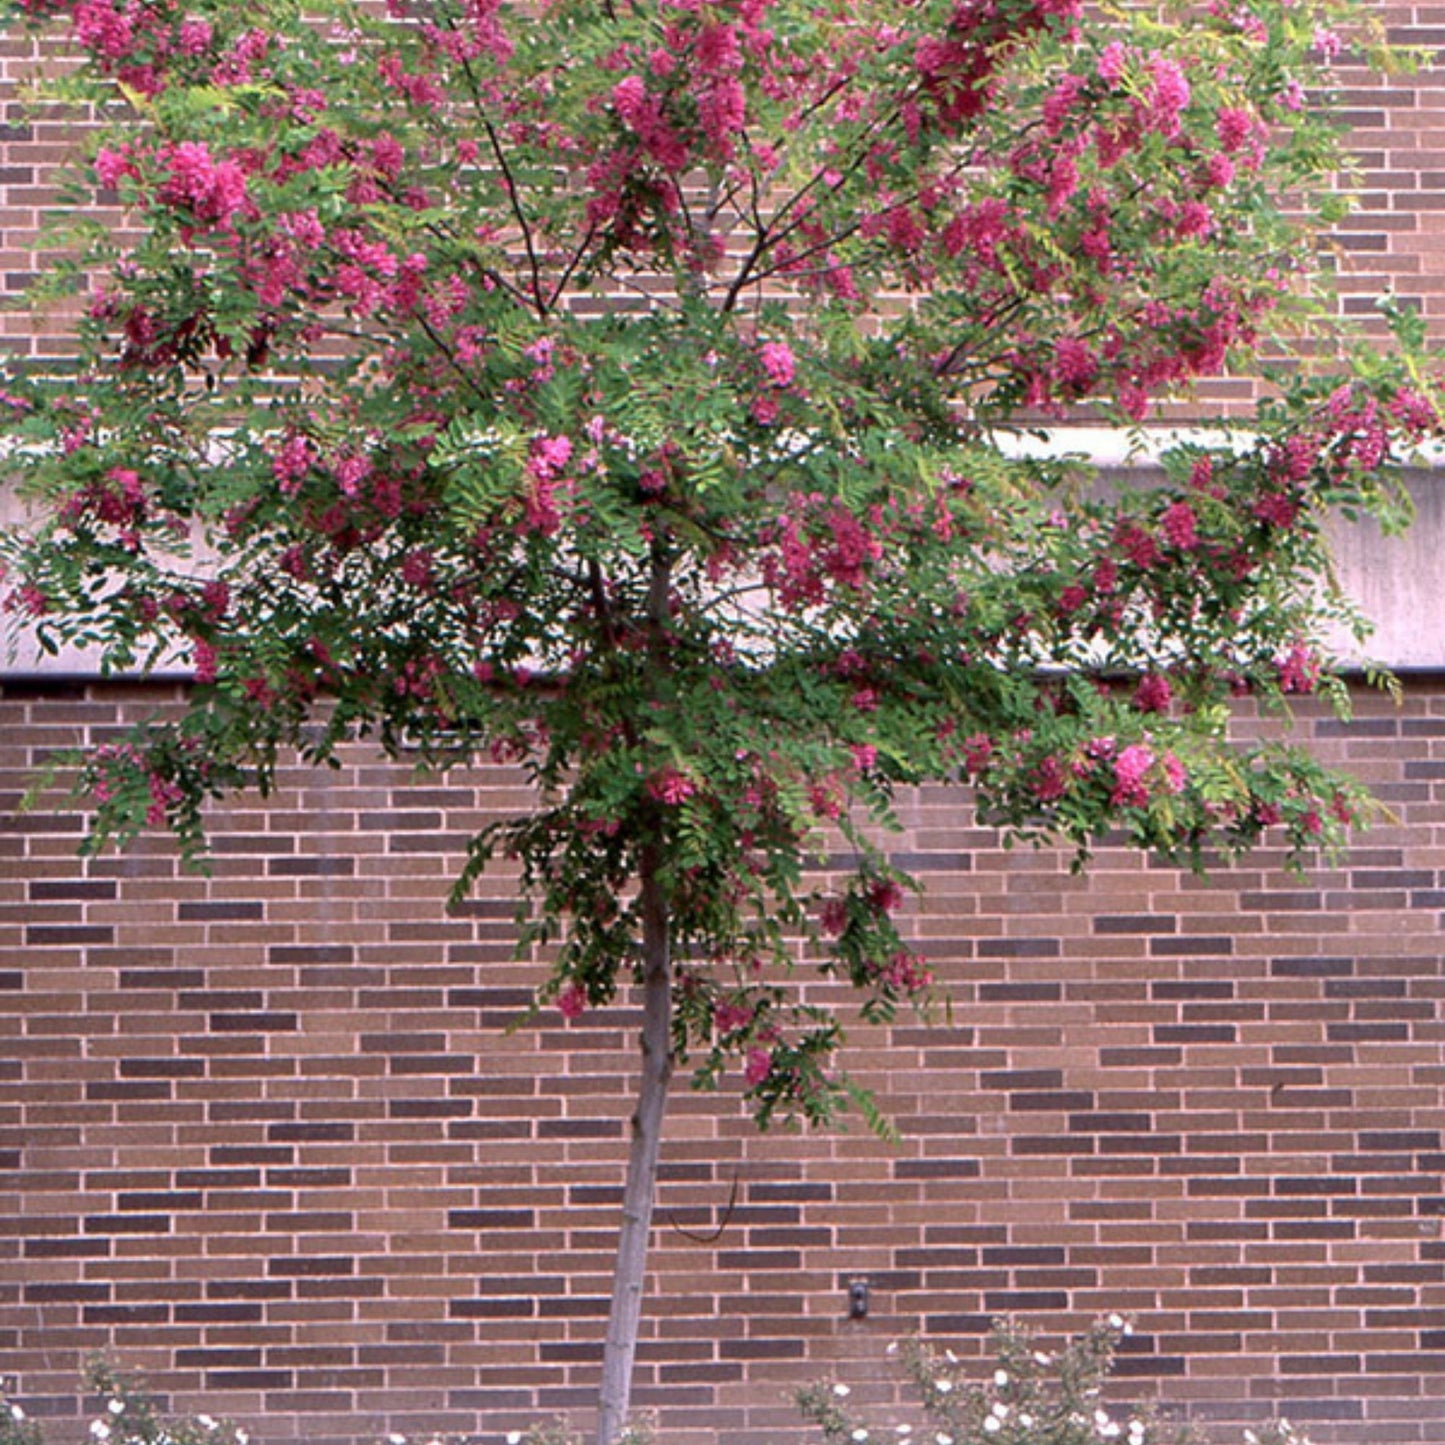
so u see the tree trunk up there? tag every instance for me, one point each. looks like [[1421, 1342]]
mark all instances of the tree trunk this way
[[640, 1191]]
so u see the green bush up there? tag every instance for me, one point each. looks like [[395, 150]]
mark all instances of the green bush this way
[[127, 1414], [1032, 1396], [15, 1427]]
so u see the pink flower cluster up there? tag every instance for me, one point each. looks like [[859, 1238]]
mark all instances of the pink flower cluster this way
[[825, 543], [212, 190], [115, 763], [671, 786]]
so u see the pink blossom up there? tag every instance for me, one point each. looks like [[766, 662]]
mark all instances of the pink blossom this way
[[572, 1001], [629, 98], [1279, 509], [1112, 61], [1195, 218], [1169, 94], [977, 753], [164, 795], [1153, 693], [1075, 364], [1299, 670], [853, 548], [550, 455], [350, 472], [195, 35], [671, 786], [728, 1017], [778, 361], [1175, 775], [906, 973], [758, 1066], [112, 164], [216, 599], [212, 190], [1233, 127], [1220, 170], [717, 51], [1138, 546], [722, 114], [1072, 598], [1416, 413], [417, 569], [1178, 526], [104, 29], [1130, 769], [885, 896], [1049, 782], [292, 461], [1063, 183], [865, 755], [764, 410], [203, 656], [1060, 102]]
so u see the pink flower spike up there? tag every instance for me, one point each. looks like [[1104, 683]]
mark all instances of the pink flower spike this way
[[778, 362], [757, 1068]]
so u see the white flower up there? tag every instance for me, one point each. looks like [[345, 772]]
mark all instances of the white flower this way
[[992, 1424], [1101, 1418], [999, 1408], [16, 1413], [395, 1438], [514, 1437], [942, 1439], [1040, 1358], [860, 1434], [205, 1422], [1026, 1420], [841, 1391], [100, 1429], [903, 1429], [1116, 1321], [116, 1407], [1000, 1378], [1136, 1431], [943, 1386]]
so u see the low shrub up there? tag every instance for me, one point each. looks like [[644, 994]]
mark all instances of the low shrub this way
[[127, 1414], [1031, 1396]]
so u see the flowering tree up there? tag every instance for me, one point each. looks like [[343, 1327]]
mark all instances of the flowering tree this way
[[632, 390]]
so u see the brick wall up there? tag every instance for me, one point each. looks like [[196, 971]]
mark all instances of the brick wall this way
[[267, 1136]]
